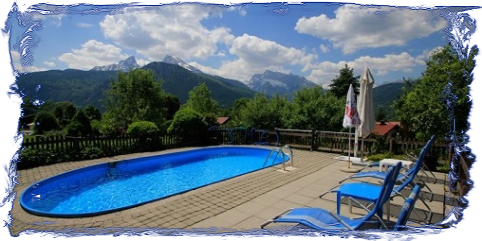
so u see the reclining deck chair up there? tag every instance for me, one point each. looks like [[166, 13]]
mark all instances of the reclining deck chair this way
[[322, 219], [414, 170], [368, 192]]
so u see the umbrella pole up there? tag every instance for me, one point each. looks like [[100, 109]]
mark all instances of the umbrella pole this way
[[355, 149], [362, 151], [349, 148], [349, 169]]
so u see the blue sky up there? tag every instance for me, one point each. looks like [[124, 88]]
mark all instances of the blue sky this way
[[314, 40]]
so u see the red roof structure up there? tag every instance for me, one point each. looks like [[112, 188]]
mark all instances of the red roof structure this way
[[384, 128], [222, 120]]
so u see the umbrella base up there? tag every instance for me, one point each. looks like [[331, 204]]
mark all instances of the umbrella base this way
[[350, 170]]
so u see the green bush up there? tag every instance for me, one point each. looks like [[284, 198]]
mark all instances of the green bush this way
[[29, 158], [80, 125], [142, 128], [387, 155], [187, 123], [91, 152], [147, 133], [45, 121]]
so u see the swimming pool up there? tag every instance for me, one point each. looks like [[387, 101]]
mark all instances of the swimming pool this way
[[114, 186]]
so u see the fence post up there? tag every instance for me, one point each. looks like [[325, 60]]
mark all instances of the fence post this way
[[313, 136]]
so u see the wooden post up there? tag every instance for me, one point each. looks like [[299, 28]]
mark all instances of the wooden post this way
[[313, 136]]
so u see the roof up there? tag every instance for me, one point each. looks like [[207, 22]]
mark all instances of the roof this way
[[385, 128], [222, 120]]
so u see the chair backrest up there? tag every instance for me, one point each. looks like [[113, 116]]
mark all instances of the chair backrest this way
[[386, 190], [418, 165], [407, 208]]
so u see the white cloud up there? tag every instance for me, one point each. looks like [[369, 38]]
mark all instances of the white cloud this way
[[256, 55], [50, 63], [324, 72], [324, 48], [18, 66], [92, 53], [355, 27], [171, 29], [85, 25]]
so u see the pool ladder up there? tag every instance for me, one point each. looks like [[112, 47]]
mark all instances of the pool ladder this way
[[279, 150]]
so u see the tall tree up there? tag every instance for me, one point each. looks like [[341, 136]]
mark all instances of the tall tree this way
[[92, 112], [134, 96], [421, 107], [201, 101], [263, 113], [315, 109], [339, 86]]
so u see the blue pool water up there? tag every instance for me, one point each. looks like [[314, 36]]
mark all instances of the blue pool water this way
[[109, 187]]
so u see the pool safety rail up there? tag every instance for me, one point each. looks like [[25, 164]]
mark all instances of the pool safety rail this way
[[285, 156]]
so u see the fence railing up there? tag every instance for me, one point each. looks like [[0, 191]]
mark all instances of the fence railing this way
[[328, 141], [120, 142]]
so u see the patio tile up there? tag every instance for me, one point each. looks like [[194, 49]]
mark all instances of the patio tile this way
[[242, 203]]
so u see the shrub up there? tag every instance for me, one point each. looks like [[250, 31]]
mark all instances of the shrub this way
[[146, 131], [187, 123], [91, 152], [45, 121], [29, 158], [80, 125], [142, 128]]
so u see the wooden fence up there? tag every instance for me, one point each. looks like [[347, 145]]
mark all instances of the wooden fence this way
[[120, 144], [328, 141]]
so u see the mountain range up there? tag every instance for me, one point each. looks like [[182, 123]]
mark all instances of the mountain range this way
[[178, 78], [271, 83]]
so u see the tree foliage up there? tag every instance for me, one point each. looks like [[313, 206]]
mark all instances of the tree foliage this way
[[339, 86], [80, 125], [187, 123], [315, 109], [264, 113], [134, 96], [142, 128], [422, 106], [201, 101], [45, 121], [92, 113]]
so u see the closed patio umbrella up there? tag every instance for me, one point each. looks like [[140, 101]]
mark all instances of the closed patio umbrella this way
[[365, 108], [350, 119]]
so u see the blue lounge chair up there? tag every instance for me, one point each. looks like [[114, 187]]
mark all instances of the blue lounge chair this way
[[322, 219], [418, 165], [369, 191]]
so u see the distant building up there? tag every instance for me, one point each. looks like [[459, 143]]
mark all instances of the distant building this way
[[387, 128], [222, 120]]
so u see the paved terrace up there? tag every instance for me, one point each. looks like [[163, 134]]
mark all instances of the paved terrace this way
[[238, 204]]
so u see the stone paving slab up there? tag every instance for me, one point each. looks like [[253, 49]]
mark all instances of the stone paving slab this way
[[241, 203]]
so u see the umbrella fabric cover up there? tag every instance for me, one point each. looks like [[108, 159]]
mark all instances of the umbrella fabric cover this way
[[351, 118], [365, 104]]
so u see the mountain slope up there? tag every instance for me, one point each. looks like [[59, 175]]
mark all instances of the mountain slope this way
[[271, 83], [169, 59], [179, 81], [383, 97], [83, 88], [123, 65]]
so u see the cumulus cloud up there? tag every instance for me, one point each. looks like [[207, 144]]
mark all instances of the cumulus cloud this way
[[324, 48], [92, 53], [356, 27], [324, 72], [256, 55], [171, 29], [50, 63]]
